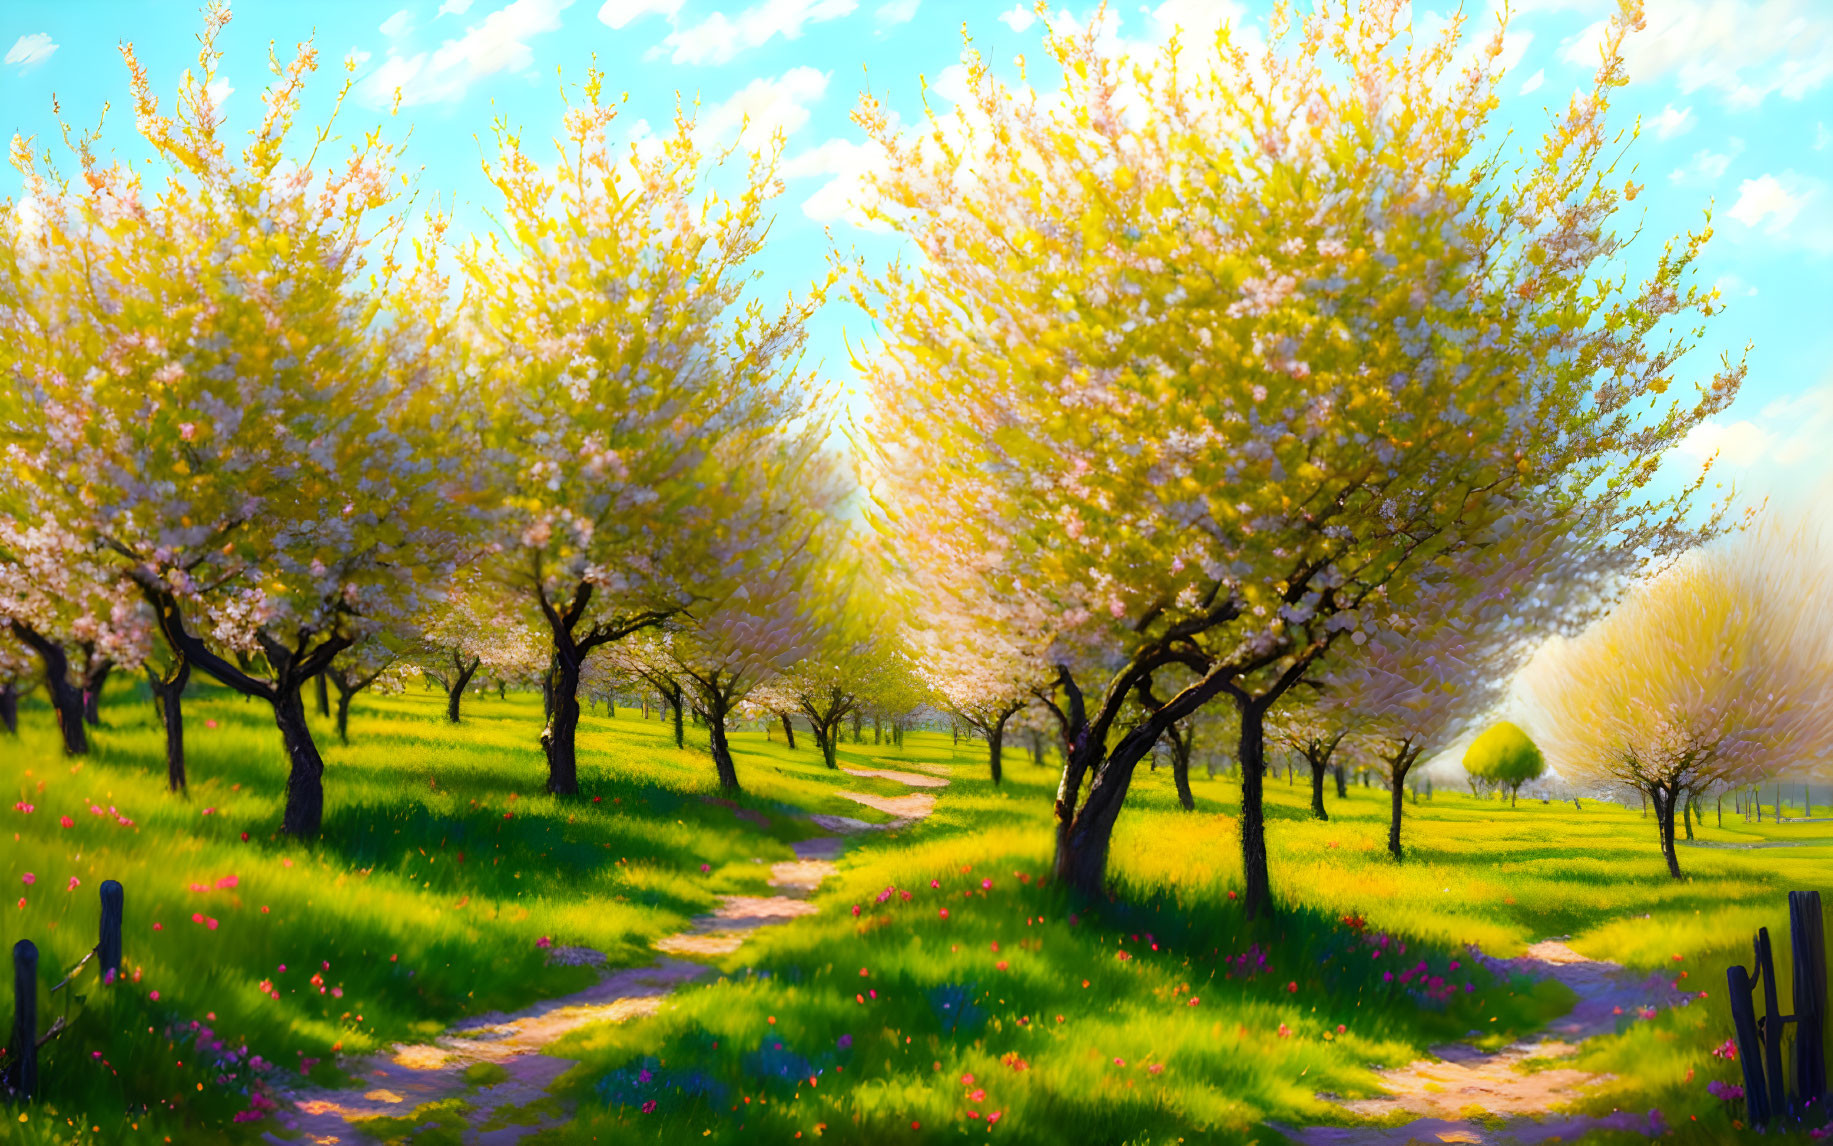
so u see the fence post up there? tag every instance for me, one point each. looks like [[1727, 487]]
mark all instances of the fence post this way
[[1750, 1045], [1808, 939], [108, 950], [22, 1050]]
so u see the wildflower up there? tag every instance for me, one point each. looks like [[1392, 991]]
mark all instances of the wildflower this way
[[977, 1096], [226, 883], [855, 909], [158, 927], [994, 1117], [1727, 1091], [1000, 966], [1285, 1032], [74, 884], [544, 942], [28, 879], [844, 1042], [1292, 987], [1120, 1062], [1728, 1050], [209, 811], [706, 867], [986, 885], [153, 995], [944, 913], [1156, 1068], [209, 724], [244, 837], [1453, 966], [66, 821], [1193, 1000], [22, 806]]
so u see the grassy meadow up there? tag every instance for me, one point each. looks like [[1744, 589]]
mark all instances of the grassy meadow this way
[[944, 990]]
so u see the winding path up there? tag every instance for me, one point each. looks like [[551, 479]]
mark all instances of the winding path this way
[[1454, 1096], [408, 1077]]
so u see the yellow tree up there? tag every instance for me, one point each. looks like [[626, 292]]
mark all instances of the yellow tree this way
[[1717, 671], [618, 362], [1199, 353], [229, 379]]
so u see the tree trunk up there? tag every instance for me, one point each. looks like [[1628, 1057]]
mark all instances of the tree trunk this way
[[996, 740], [878, 731], [1180, 778], [460, 680], [1257, 897], [722, 753], [1513, 791], [343, 716], [825, 736], [1664, 818], [1082, 840], [1342, 776], [1686, 812], [305, 780], [562, 728], [324, 694], [680, 731], [1400, 767], [1037, 748], [789, 730], [858, 726], [66, 699], [9, 707], [1318, 768], [95, 678], [168, 700]]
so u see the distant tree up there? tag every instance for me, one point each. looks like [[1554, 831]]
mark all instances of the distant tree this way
[[1505, 756], [1719, 671], [355, 669], [1298, 727]]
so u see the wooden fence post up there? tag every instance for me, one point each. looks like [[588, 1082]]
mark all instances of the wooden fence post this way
[[1750, 1045], [1771, 1026], [1808, 939], [108, 949], [22, 1050]]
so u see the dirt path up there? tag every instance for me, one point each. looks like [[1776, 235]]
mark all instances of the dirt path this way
[[1451, 1097], [408, 1077]]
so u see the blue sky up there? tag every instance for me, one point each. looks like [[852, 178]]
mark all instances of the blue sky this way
[[1734, 95]]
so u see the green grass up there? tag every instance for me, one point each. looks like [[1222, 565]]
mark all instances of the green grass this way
[[418, 937]]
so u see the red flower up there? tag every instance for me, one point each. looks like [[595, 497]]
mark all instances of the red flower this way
[[66, 821]]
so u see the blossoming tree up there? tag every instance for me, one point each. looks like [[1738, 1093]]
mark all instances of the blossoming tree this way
[[1716, 672], [15, 672], [232, 370], [620, 361], [1199, 354], [475, 629]]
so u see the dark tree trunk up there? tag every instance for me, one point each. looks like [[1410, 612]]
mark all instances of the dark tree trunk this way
[[1686, 812], [343, 715], [789, 730], [9, 707], [722, 752], [878, 731], [1664, 820], [996, 743], [824, 740], [858, 726], [305, 780], [1083, 838], [324, 694], [1318, 768], [95, 678], [1342, 775], [458, 682], [1037, 747], [1257, 894], [680, 729], [1399, 767], [66, 699], [562, 728], [168, 701], [1183, 740]]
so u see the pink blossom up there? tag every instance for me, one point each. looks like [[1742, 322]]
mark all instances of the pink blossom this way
[[28, 879]]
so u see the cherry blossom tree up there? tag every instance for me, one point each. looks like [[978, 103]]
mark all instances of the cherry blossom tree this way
[[475, 629], [67, 606], [1301, 729], [771, 613], [1198, 355], [229, 375], [1716, 672], [620, 361]]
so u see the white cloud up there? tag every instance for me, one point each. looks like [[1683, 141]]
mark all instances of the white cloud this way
[[1707, 165], [763, 106], [1766, 202], [717, 38], [897, 12], [499, 44], [1809, 419], [1533, 82], [1018, 19], [617, 13], [1821, 136], [399, 24], [845, 194], [31, 50], [1746, 50], [1672, 122], [219, 90], [453, 8], [1730, 285], [1737, 444]]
